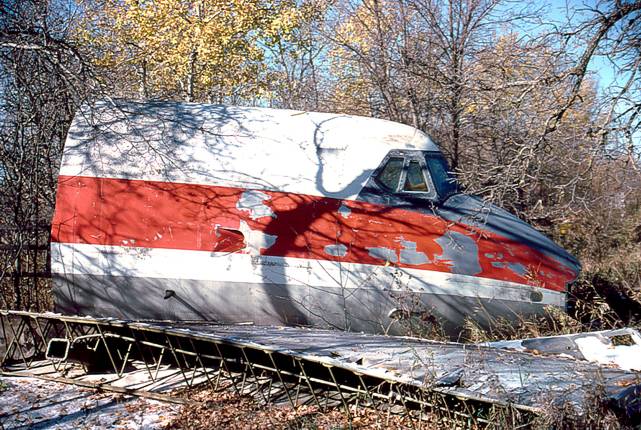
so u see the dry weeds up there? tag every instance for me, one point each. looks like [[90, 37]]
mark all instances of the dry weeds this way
[[224, 409]]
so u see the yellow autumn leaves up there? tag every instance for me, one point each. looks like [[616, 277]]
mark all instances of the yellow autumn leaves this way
[[208, 50]]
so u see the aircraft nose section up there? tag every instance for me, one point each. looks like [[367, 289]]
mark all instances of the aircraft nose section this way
[[473, 211]]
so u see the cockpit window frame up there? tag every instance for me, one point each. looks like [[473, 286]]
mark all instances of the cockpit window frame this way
[[407, 156], [380, 182], [454, 187], [408, 172]]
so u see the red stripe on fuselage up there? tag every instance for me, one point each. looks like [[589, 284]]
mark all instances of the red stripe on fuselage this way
[[118, 212]]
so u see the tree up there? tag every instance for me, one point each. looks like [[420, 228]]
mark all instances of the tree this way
[[516, 92], [459, 71], [198, 50], [44, 79], [418, 60], [297, 61]]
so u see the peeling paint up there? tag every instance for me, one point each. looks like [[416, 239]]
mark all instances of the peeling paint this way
[[517, 268], [411, 256], [252, 202], [383, 253], [256, 240], [176, 208], [336, 250], [547, 275], [344, 211], [283, 184], [462, 249]]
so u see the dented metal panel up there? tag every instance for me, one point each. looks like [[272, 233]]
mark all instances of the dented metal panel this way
[[618, 348]]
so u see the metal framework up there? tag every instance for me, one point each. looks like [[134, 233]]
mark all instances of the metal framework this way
[[406, 376], [110, 345]]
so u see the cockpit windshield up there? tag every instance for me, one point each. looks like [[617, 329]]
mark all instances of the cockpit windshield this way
[[444, 180], [408, 176]]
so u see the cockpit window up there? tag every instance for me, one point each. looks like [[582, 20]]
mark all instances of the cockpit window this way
[[444, 181], [391, 173], [415, 180]]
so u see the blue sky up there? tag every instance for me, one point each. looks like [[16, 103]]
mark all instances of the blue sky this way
[[575, 11]]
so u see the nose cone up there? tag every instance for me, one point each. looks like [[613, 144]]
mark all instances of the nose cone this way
[[472, 211]]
